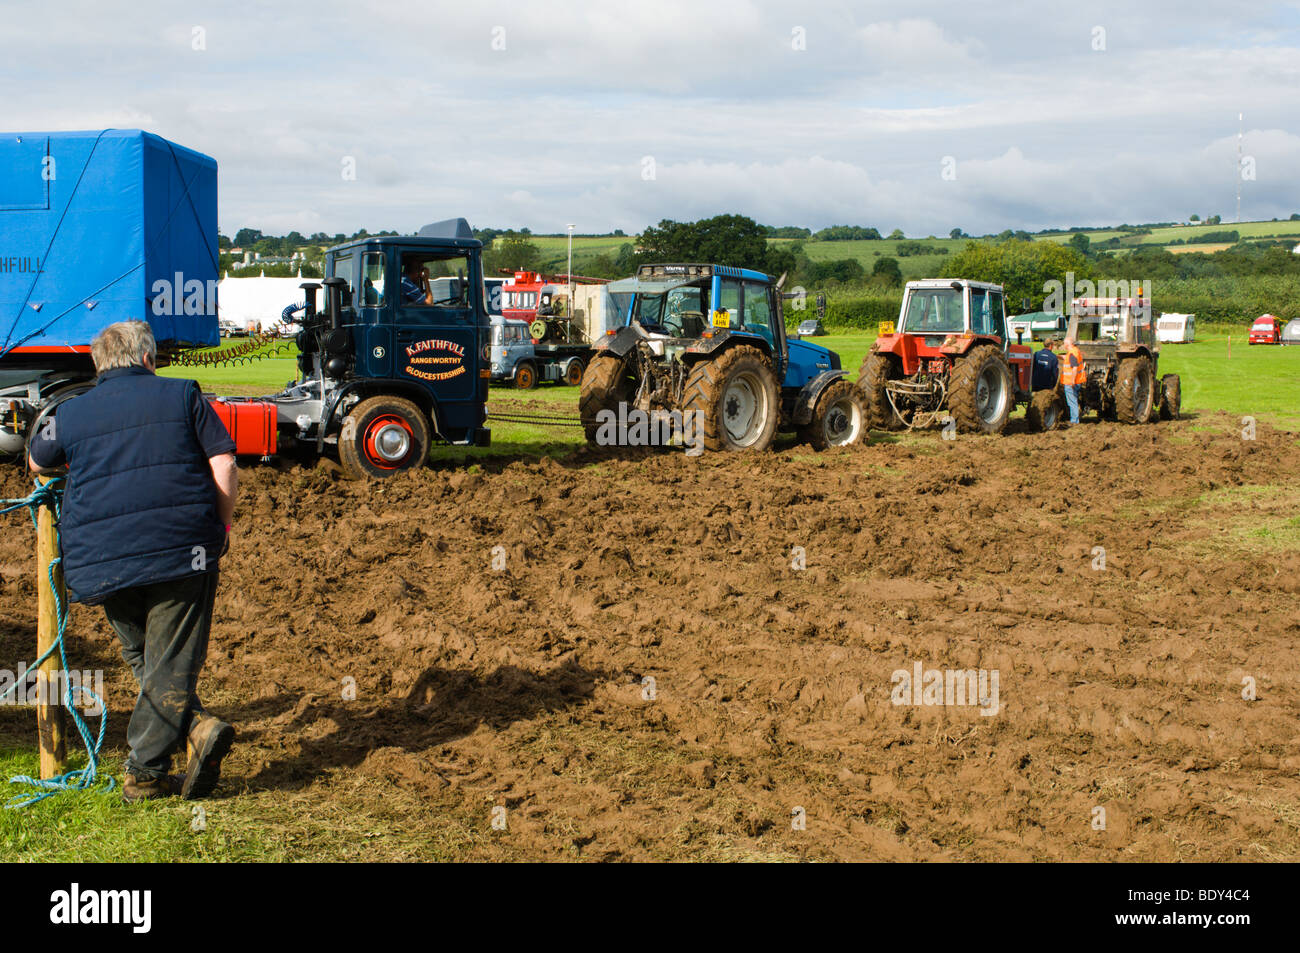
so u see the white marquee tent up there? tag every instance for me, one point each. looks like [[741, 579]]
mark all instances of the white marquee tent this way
[[244, 303]]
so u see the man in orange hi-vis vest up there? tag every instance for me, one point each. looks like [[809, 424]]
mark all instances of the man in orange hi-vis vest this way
[[1073, 376]]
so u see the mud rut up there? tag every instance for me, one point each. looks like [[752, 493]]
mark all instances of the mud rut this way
[[526, 688]]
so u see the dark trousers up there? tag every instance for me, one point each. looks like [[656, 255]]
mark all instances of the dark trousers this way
[[163, 628]]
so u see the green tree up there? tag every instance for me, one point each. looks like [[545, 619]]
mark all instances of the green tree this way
[[1080, 242], [897, 234], [722, 240], [512, 252], [887, 270], [1024, 269], [247, 236]]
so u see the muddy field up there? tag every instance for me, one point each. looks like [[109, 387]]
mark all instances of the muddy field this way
[[650, 677]]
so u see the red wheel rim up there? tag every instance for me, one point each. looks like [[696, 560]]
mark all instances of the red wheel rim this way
[[388, 442]]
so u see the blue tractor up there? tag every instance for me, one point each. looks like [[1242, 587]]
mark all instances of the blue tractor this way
[[710, 341]]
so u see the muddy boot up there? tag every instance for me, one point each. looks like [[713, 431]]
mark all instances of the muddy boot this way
[[208, 742], [146, 788]]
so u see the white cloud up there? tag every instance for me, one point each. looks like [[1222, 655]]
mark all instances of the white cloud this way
[[552, 129]]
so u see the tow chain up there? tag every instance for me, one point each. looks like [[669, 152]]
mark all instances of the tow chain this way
[[540, 420], [257, 348]]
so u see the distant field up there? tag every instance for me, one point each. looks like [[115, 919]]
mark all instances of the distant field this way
[[1184, 249], [555, 250], [1245, 229]]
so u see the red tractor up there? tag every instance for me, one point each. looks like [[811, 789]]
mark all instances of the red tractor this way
[[952, 356]]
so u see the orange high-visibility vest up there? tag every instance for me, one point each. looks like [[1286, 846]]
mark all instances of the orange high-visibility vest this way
[[1073, 370]]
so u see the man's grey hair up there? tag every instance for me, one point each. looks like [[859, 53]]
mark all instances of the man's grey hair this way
[[124, 344]]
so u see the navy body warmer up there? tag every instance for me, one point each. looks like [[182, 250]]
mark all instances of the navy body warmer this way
[[140, 504]]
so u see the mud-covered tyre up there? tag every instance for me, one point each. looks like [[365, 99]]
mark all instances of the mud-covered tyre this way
[[1171, 397], [382, 436], [573, 373], [1045, 411], [1135, 390], [876, 371], [736, 396], [605, 384], [838, 419], [525, 376], [979, 391]]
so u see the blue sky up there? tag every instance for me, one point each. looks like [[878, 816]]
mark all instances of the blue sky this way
[[806, 113]]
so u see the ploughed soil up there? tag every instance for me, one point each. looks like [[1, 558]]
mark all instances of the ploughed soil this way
[[617, 650]]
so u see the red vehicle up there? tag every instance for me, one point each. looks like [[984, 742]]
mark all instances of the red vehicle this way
[[1267, 329]]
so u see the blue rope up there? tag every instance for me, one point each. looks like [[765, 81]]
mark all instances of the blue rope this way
[[51, 495]]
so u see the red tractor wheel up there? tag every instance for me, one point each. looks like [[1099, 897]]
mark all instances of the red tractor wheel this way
[[383, 436]]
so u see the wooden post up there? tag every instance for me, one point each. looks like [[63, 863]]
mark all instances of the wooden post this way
[[50, 726]]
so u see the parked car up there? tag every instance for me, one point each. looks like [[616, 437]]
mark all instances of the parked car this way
[[811, 328]]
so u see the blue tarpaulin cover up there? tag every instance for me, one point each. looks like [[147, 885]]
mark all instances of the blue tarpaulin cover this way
[[90, 222]]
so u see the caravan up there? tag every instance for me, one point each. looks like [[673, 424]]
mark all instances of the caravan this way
[[1176, 328]]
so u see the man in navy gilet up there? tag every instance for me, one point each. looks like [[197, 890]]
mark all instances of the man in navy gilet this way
[[146, 516]]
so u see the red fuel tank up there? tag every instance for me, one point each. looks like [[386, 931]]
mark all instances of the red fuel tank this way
[[251, 424]]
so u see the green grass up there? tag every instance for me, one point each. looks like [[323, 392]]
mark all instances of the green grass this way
[[357, 818], [252, 379], [95, 826]]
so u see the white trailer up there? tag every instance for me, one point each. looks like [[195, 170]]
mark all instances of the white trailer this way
[[1174, 328]]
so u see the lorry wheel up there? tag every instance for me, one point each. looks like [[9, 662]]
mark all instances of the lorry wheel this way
[[979, 391], [1046, 410], [1171, 397], [382, 436], [573, 373], [1134, 390], [838, 420], [877, 370], [736, 395], [605, 384], [525, 376], [52, 400]]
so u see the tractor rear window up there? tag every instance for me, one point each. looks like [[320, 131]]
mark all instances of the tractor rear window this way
[[934, 311]]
